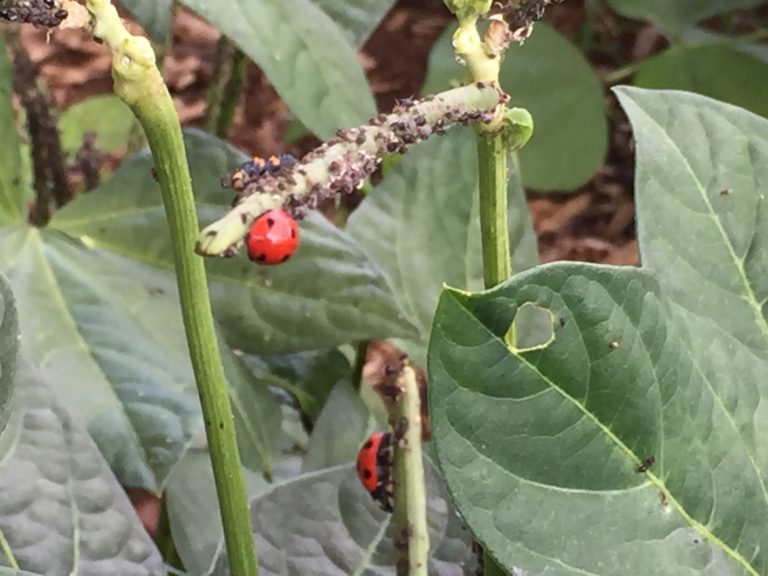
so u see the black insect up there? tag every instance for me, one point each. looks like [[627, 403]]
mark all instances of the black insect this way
[[647, 463]]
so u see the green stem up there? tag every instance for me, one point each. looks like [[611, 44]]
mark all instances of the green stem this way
[[410, 515], [494, 225], [494, 230], [139, 84]]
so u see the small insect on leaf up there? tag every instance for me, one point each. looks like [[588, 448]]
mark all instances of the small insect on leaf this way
[[647, 463]]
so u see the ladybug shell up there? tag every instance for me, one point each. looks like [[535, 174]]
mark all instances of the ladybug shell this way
[[374, 468], [273, 238]]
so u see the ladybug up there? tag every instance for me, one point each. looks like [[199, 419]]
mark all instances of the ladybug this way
[[256, 167], [374, 468], [273, 237]]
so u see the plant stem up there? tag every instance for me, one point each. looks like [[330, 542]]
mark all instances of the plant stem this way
[[494, 225], [225, 87], [410, 515], [494, 230], [139, 84]]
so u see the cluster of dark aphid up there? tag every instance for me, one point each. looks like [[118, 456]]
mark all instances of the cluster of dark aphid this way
[[354, 154], [47, 13], [522, 13]]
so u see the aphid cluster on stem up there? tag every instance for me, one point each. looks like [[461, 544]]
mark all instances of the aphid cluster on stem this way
[[342, 164], [39, 13]]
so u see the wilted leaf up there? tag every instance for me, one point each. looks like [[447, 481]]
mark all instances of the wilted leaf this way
[[330, 285], [723, 72], [303, 53], [62, 511], [421, 225], [662, 370], [549, 77]]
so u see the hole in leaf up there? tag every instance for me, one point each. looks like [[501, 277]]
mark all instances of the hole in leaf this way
[[533, 328]]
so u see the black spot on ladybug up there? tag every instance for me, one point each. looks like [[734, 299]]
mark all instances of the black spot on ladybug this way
[[270, 222], [293, 233], [261, 257], [368, 444], [285, 258], [367, 474]]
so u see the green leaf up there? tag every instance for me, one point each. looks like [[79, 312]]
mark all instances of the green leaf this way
[[723, 72], [669, 362], [303, 53], [62, 511], [9, 349], [550, 77], [421, 225], [260, 309], [154, 15], [340, 430], [357, 18], [674, 17], [109, 339], [106, 116], [11, 205]]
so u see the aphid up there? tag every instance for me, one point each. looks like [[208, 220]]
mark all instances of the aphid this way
[[647, 463], [273, 238], [257, 166], [374, 468]]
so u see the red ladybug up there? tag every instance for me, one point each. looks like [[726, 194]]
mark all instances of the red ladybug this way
[[374, 468], [273, 238]]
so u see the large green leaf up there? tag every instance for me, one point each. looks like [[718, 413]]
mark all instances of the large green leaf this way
[[303, 53], [260, 310], [357, 18], [677, 15], [719, 71], [11, 206], [62, 511], [154, 15], [421, 225], [9, 349], [669, 362], [550, 77], [107, 335]]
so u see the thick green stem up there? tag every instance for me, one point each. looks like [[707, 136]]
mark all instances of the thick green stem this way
[[411, 535], [138, 82], [494, 224], [494, 229]]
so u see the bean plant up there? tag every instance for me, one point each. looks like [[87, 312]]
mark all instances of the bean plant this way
[[559, 419]]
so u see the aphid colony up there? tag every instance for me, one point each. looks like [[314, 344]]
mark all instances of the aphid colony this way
[[274, 235]]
